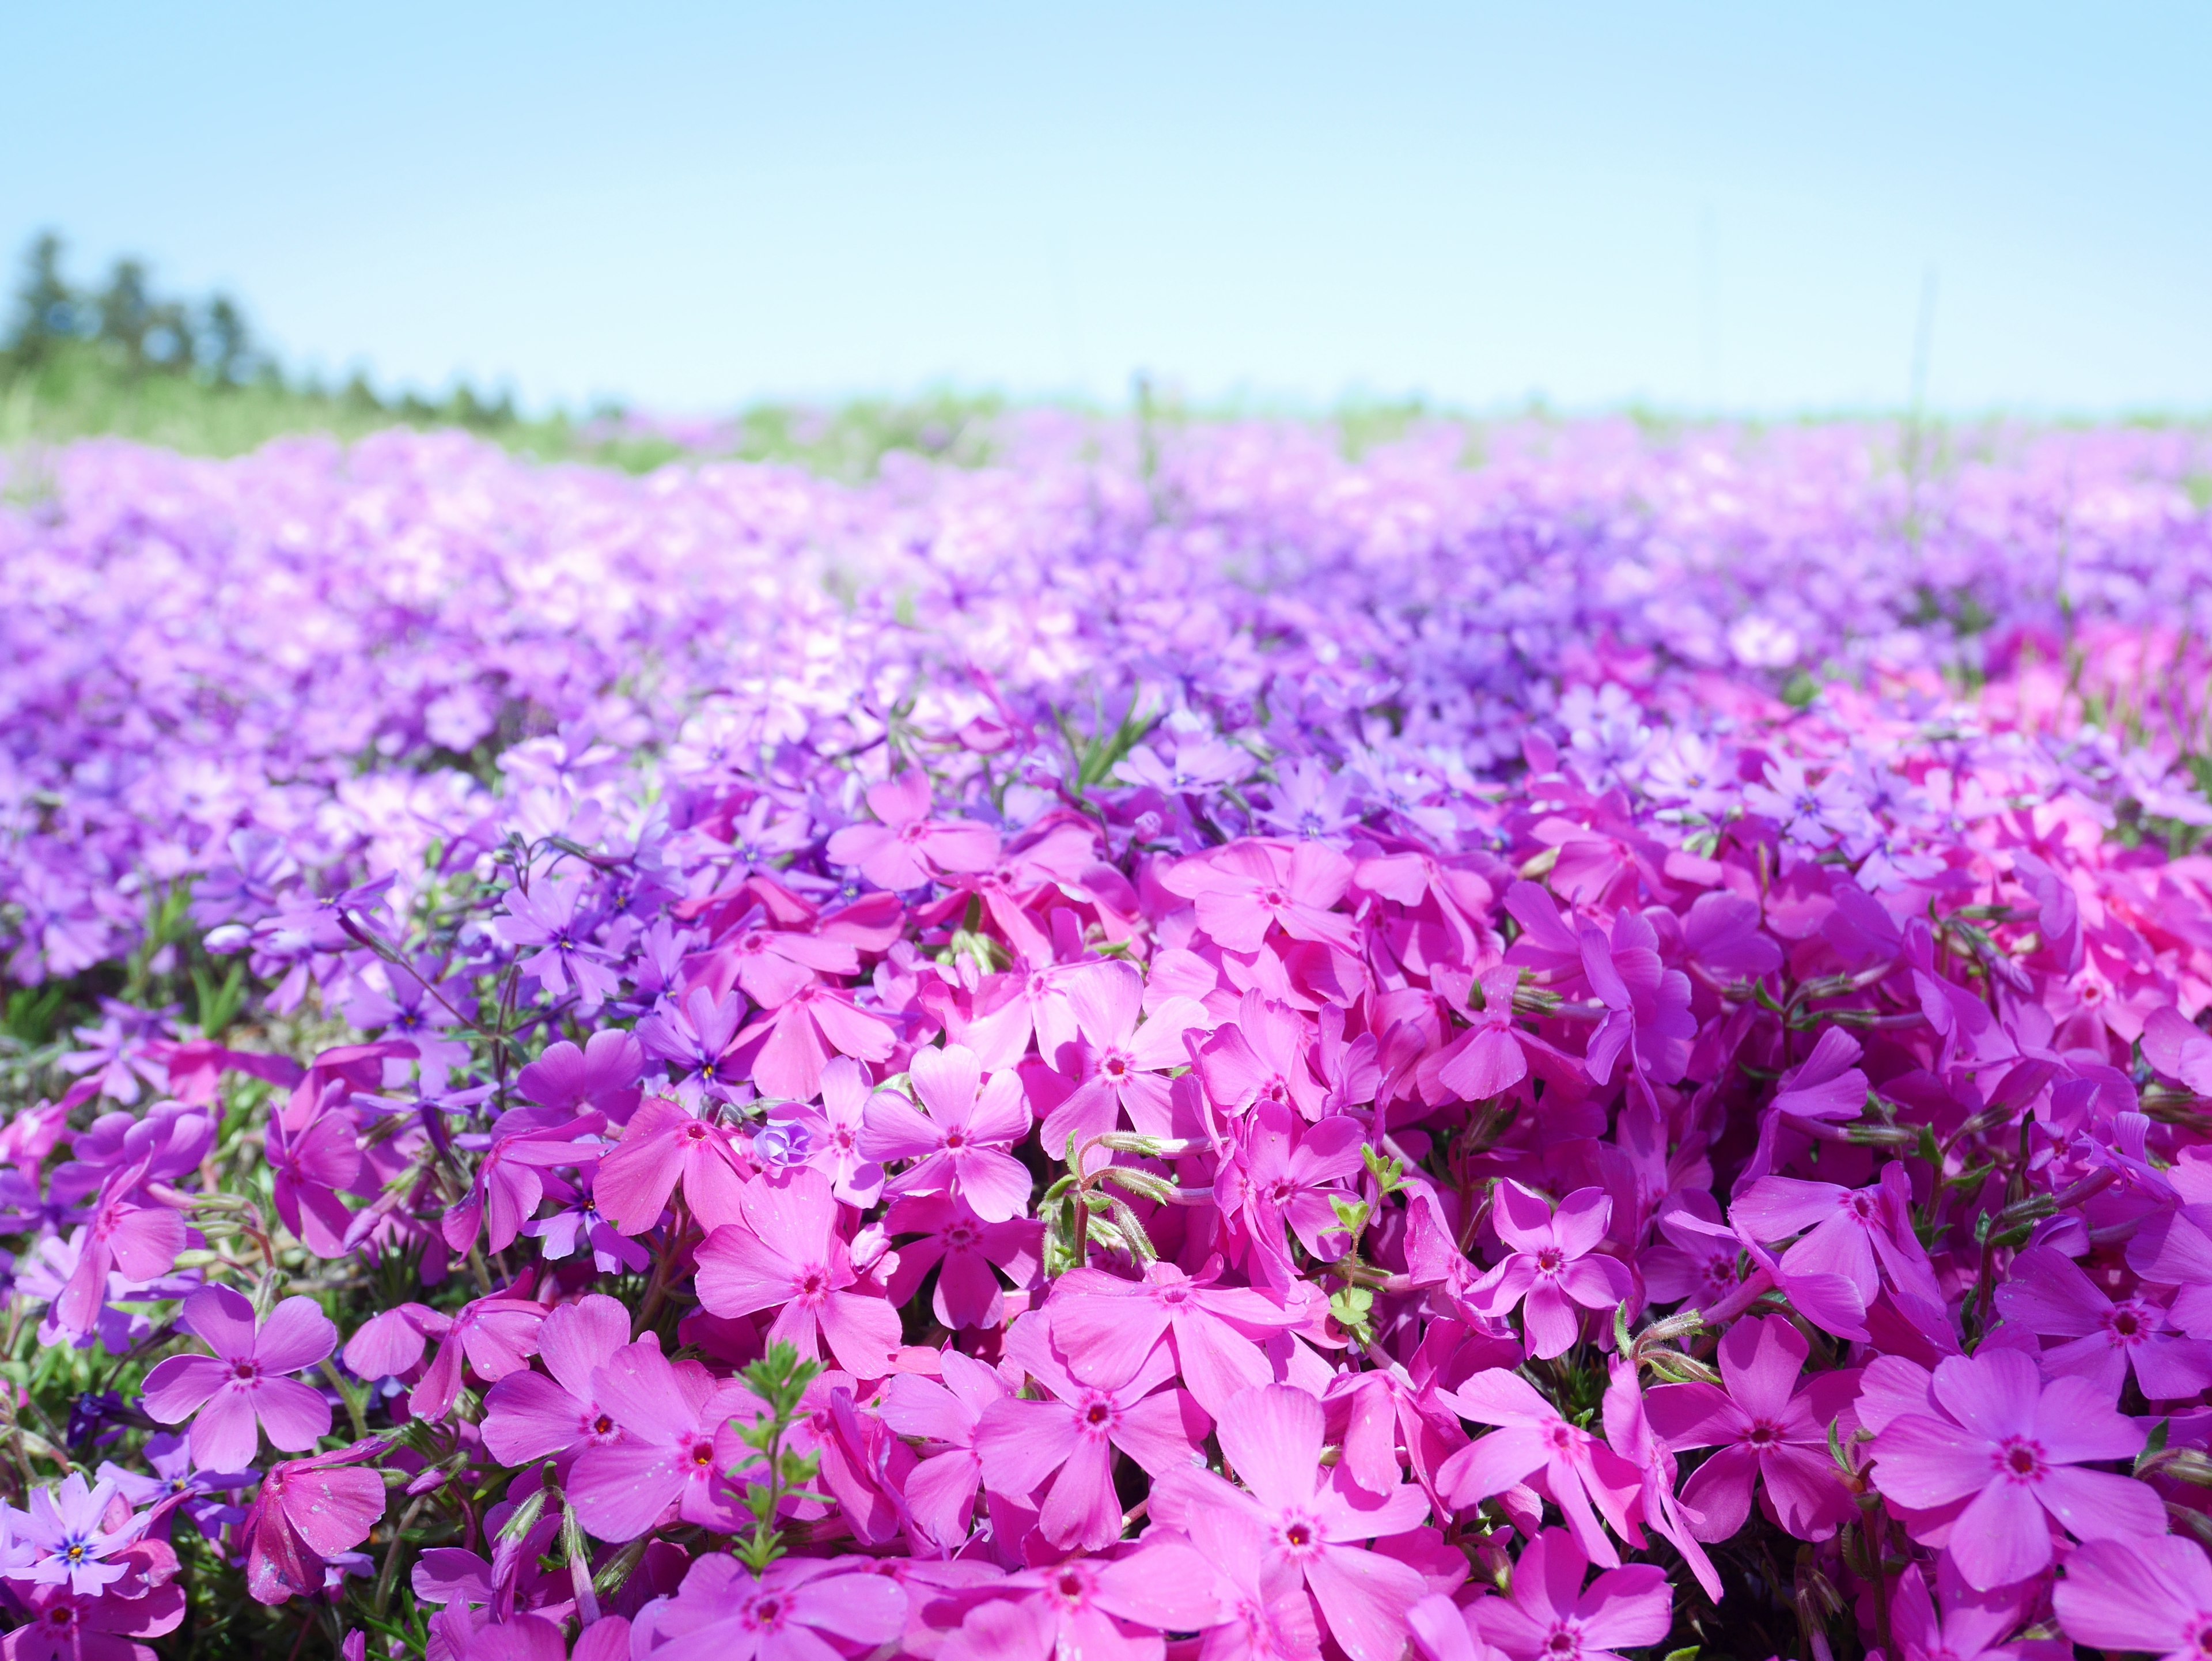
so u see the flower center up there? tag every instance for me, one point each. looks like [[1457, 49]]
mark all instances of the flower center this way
[[245, 1371], [954, 1138], [2022, 1460], [1764, 1435], [702, 1454], [1551, 1260]]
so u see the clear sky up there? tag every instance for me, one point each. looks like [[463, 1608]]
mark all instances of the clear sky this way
[[1696, 206]]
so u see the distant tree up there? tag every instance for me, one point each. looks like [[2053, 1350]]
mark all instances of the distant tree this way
[[126, 311], [47, 310], [227, 345]]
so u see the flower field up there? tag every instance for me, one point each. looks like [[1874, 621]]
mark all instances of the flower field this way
[[1555, 1041]]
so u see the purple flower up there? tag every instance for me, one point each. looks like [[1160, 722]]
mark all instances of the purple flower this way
[[71, 1535], [1553, 1266], [243, 1385]]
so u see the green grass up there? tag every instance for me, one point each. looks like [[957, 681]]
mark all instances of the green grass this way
[[85, 391]]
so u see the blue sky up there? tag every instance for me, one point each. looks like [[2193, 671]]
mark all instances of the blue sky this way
[[1695, 206]]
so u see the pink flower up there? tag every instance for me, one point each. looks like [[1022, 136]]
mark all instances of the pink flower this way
[[1119, 1064], [1549, 1617], [964, 1249], [1288, 1175], [243, 1382], [1248, 887], [1767, 1431], [1262, 1056], [510, 1179], [1092, 1608], [909, 847], [677, 1447], [1023, 1443], [2050, 1295], [1855, 1234], [1311, 1517], [495, 1335], [770, 964], [959, 1135], [1648, 1004], [529, 1415], [310, 1166], [2146, 1595], [1720, 940], [1552, 1269], [1106, 1327], [392, 1340], [66, 1624], [601, 1076], [1533, 1439], [1266, 1614], [1487, 1059], [827, 1137], [792, 1041], [943, 1413], [2009, 1445], [1971, 1624], [309, 1510], [1698, 1261], [784, 1253], [126, 1233], [723, 1612], [664, 1148]]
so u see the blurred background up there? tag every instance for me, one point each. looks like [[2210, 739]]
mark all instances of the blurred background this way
[[506, 213]]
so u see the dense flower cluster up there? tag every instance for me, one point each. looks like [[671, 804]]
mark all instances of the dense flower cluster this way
[[1178, 1045]]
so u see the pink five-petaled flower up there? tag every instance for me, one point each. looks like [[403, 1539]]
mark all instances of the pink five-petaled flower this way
[[1120, 1066], [909, 847], [662, 1148], [310, 1166], [943, 1413], [2009, 1445], [1970, 1624], [2048, 1294], [2153, 1596], [243, 1380], [529, 1416], [309, 1510], [960, 1141], [1533, 1438], [963, 1248], [723, 1612], [677, 1447], [1088, 1609], [1023, 1444], [784, 1253], [1243, 889], [1553, 1266], [1263, 1056], [1312, 1517], [1488, 1059], [1289, 1174], [1856, 1234], [1647, 1005], [1105, 1328], [1549, 1617], [66, 1625], [1767, 1431], [827, 1137]]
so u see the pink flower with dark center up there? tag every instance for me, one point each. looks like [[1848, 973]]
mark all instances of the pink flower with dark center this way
[[828, 1137], [943, 1413], [1245, 888], [1696, 1265], [1106, 1327], [2149, 1596], [1096, 1608], [244, 1384], [1554, 1267], [965, 1250], [529, 1415], [1119, 1063], [784, 1253], [2048, 1294], [1769, 1433], [908, 848], [310, 1166], [664, 1148], [795, 1612], [1313, 1519], [1578, 1473], [792, 1042], [1288, 1176], [1263, 1056], [958, 1136], [2011, 1446], [1069, 1441], [1855, 1234], [308, 1510], [677, 1447], [1969, 1624], [1550, 1616]]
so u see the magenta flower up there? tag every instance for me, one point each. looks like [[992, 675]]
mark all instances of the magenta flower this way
[[243, 1382], [65, 1624], [529, 1415], [1289, 1176], [1553, 1266], [1698, 1261], [1578, 1473], [1265, 1613], [392, 1340], [784, 1253], [1023, 1444], [663, 1149], [1118, 1062], [723, 1612], [2150, 1595], [964, 1249], [958, 1136], [1312, 1517], [1243, 889], [1095, 1608], [1769, 1433], [943, 1413], [126, 1233], [308, 1510], [1723, 941], [1970, 1624], [510, 1177], [602, 1076], [827, 1137], [310, 1166], [1647, 1004], [1488, 1059], [677, 1447], [796, 1037], [2010, 1445], [2048, 1294], [1549, 1616], [1855, 1234], [771, 964], [1263, 1055], [908, 848], [495, 1335], [1106, 1327]]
